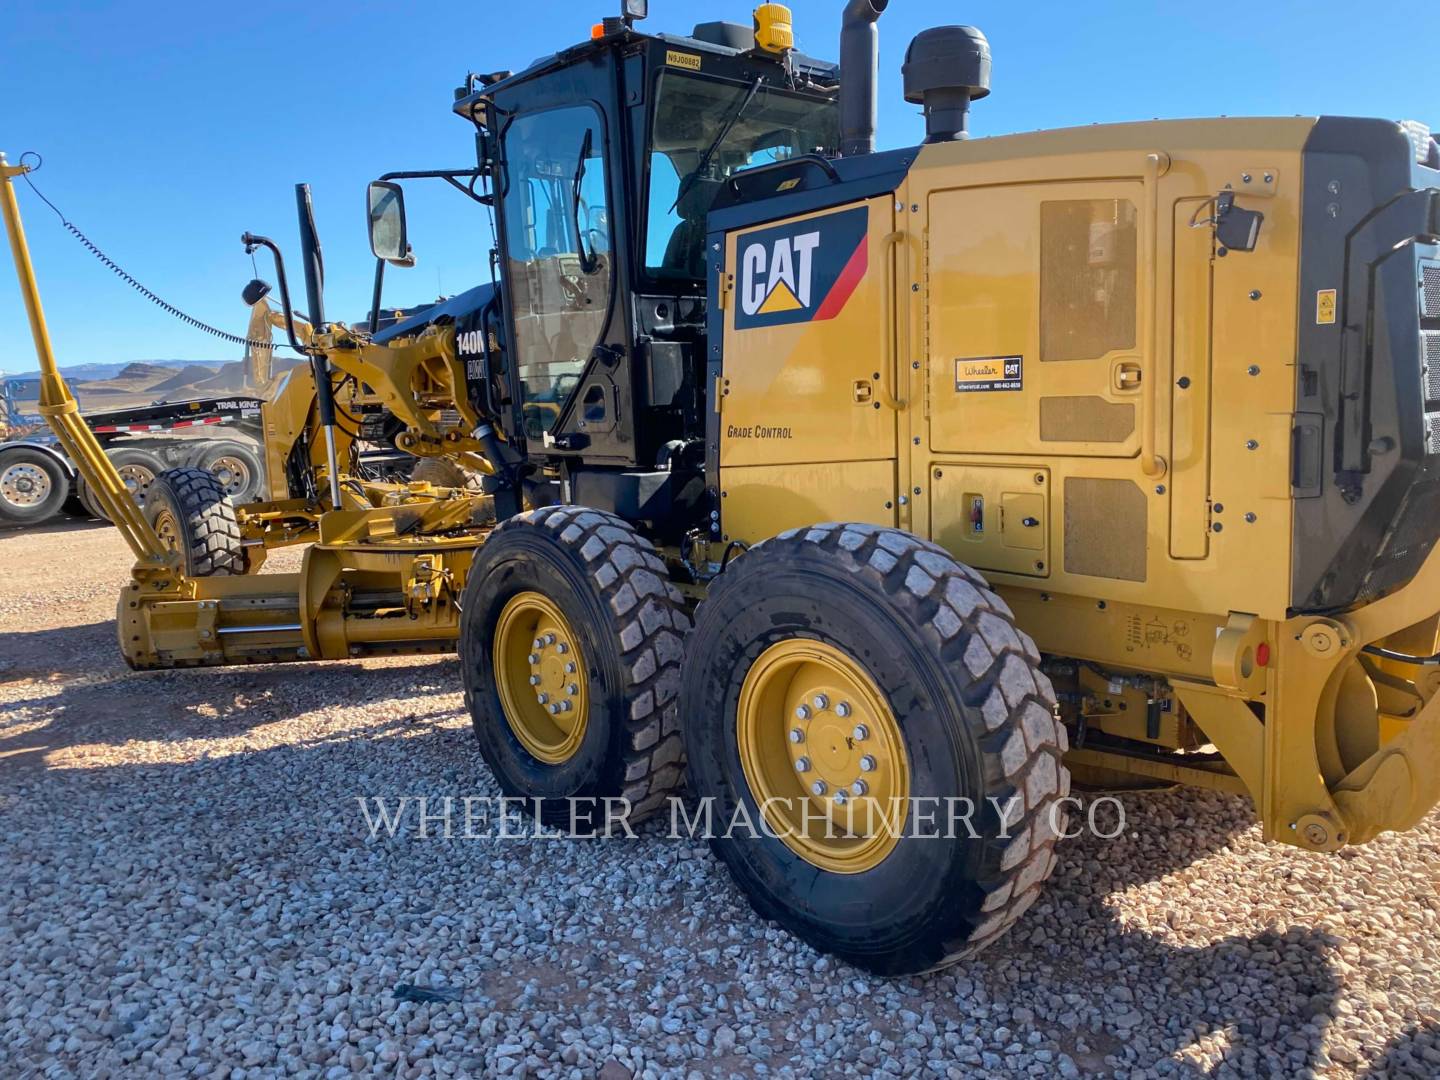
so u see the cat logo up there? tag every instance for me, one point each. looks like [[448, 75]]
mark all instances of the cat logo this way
[[801, 272]]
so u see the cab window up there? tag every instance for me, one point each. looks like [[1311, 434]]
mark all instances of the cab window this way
[[704, 130], [558, 252]]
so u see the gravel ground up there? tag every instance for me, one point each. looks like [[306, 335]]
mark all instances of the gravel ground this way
[[189, 887]]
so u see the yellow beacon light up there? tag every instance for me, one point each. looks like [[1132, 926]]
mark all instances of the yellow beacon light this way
[[773, 32]]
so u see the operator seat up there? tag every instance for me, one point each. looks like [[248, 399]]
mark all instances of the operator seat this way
[[685, 253]]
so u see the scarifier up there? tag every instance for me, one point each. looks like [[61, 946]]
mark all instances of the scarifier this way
[[847, 480]]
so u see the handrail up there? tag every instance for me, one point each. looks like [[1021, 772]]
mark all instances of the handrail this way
[[888, 395], [1151, 463], [58, 406]]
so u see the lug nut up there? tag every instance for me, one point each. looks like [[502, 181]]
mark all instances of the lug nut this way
[[861, 733], [543, 698], [859, 787], [802, 713], [867, 764], [842, 710], [796, 735], [534, 680], [841, 798], [819, 787], [573, 689], [555, 709], [565, 706], [802, 764], [537, 644], [570, 667], [549, 639], [534, 659], [821, 702], [562, 648]]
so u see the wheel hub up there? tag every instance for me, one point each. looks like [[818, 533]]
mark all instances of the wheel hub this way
[[541, 678], [231, 473], [24, 484], [138, 479], [823, 755]]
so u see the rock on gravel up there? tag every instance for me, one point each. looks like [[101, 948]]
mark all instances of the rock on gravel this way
[[189, 888]]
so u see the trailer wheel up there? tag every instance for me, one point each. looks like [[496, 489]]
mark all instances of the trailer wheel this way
[[571, 640], [138, 468], [33, 486], [236, 466], [191, 513], [867, 703]]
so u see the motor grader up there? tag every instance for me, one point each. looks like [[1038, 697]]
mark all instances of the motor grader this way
[[841, 481]]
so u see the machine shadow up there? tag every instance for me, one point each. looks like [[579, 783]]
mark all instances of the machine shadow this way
[[1247, 1004], [111, 705], [1413, 1055]]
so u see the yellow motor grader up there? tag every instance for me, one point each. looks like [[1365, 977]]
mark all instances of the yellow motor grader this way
[[855, 484]]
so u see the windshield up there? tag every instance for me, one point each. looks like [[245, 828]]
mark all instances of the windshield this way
[[690, 112]]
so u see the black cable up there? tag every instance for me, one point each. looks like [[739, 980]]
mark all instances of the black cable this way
[[1404, 658], [171, 309]]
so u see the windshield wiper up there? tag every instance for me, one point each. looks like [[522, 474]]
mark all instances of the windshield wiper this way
[[588, 262], [720, 137]]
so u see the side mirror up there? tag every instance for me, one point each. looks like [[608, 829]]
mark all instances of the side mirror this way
[[386, 214]]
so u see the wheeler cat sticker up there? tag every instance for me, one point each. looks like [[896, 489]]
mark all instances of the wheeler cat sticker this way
[[801, 272], [989, 373]]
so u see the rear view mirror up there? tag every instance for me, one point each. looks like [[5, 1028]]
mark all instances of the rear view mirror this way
[[386, 213]]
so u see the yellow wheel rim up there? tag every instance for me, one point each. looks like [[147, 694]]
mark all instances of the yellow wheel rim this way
[[540, 675], [168, 529], [823, 756]]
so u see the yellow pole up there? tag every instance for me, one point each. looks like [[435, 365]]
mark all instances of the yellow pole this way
[[58, 405]]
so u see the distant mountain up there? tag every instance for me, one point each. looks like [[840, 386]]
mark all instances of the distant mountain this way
[[100, 371]]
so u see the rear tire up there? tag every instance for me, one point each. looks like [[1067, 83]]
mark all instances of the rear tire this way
[[593, 575], [962, 692], [191, 514], [33, 486]]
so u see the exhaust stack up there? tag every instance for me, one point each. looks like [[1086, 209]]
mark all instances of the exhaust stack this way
[[859, 60], [946, 68]]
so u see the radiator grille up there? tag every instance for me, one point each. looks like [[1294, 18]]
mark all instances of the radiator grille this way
[[1430, 347], [1430, 299]]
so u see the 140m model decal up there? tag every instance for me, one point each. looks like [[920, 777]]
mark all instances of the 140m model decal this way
[[802, 271]]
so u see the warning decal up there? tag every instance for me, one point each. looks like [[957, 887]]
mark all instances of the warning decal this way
[[989, 373], [1325, 307]]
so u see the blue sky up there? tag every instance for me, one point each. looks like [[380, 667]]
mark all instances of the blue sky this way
[[168, 129]]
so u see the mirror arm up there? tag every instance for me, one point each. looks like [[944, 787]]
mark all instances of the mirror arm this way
[[251, 242], [375, 295]]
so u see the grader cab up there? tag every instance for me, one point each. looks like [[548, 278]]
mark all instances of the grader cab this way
[[858, 484]]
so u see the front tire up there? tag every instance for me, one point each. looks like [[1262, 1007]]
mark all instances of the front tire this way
[[835, 625], [585, 580], [190, 512]]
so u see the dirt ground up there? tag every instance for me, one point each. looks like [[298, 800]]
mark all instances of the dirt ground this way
[[189, 887]]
